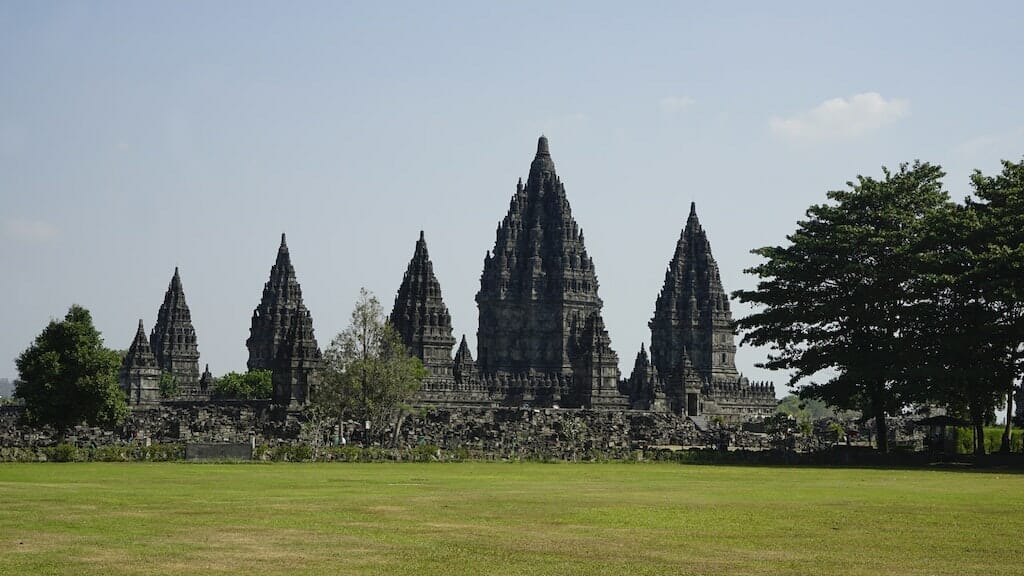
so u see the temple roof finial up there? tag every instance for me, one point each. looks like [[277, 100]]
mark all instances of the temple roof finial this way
[[284, 244], [542, 146]]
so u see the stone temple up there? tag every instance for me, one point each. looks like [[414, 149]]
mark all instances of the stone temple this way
[[541, 340]]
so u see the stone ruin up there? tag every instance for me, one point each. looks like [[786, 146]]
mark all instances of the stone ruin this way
[[541, 340]]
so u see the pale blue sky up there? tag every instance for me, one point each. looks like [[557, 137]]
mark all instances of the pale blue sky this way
[[137, 136]]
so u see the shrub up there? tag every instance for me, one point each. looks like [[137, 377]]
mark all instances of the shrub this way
[[112, 454], [63, 453], [424, 453]]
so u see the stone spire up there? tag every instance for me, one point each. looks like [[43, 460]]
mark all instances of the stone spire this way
[[596, 370], [140, 375], [296, 363], [173, 339], [464, 368], [538, 285], [281, 335], [692, 318], [420, 316], [282, 298]]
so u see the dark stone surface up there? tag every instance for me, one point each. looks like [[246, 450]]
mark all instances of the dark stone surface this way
[[140, 376], [538, 287], [420, 316], [281, 336], [173, 339]]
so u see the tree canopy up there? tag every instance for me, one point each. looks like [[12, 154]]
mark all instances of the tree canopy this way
[[67, 377], [367, 372], [832, 301], [253, 385], [895, 295]]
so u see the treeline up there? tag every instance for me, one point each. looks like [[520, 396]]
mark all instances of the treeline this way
[[891, 295]]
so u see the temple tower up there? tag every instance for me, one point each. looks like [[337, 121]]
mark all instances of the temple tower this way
[[281, 335], [282, 299], [173, 339], [596, 370], [140, 375], [463, 367], [538, 286], [691, 315], [420, 316], [295, 366]]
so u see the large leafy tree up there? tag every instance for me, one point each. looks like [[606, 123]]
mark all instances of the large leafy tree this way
[[832, 303], [367, 372], [999, 205], [961, 352], [67, 377]]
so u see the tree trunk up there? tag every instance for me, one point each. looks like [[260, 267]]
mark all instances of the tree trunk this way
[[398, 428], [882, 431], [979, 437], [1004, 448]]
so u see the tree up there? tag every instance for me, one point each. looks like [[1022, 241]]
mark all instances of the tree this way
[[66, 376], [1000, 262], [169, 385], [959, 354], [367, 372], [253, 385], [833, 301]]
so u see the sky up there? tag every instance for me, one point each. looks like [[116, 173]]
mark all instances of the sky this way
[[140, 136]]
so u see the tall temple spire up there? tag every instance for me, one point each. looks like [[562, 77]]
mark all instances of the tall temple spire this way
[[140, 376], [538, 285], [272, 319], [692, 318], [281, 337], [420, 316], [173, 339]]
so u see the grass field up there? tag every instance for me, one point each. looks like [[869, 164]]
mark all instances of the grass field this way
[[500, 518]]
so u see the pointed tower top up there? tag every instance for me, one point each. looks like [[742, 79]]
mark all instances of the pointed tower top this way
[[542, 162], [542, 146], [422, 239], [692, 219], [139, 354], [284, 258]]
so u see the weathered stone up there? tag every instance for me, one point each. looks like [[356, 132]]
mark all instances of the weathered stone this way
[[140, 376], [538, 287], [173, 340], [692, 341], [420, 316], [281, 336]]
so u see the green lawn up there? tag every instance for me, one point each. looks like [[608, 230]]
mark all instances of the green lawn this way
[[498, 518]]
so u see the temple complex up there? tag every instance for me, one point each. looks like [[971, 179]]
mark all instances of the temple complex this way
[[173, 340], [541, 339]]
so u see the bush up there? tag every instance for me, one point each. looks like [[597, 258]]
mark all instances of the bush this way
[[112, 454], [424, 453], [64, 453]]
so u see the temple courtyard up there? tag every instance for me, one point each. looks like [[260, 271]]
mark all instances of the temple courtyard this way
[[505, 518]]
